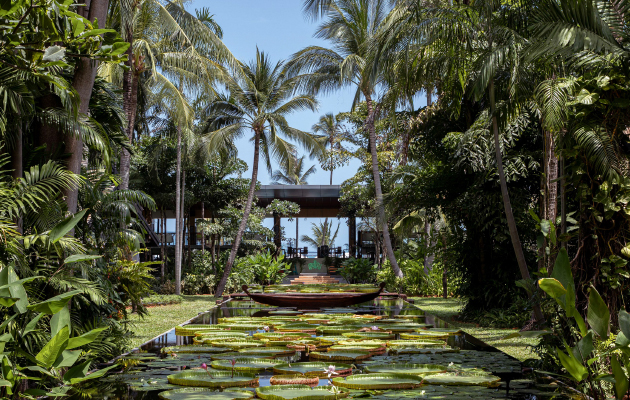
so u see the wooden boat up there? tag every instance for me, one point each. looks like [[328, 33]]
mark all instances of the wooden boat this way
[[313, 300]]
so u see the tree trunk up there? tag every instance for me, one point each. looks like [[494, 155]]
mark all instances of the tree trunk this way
[[83, 83], [377, 187], [563, 202], [212, 244], [203, 235], [178, 190], [17, 154], [162, 220], [130, 104], [243, 225], [297, 237], [516, 241], [429, 257]]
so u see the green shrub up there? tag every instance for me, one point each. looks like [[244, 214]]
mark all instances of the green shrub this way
[[358, 270], [201, 279], [266, 269], [415, 281]]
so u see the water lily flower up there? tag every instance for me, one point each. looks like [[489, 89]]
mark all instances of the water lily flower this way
[[375, 328], [266, 328], [331, 370], [204, 366], [233, 362]]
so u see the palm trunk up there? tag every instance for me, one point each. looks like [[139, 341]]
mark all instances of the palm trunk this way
[[183, 224], [377, 187], [243, 225], [516, 241], [563, 202], [178, 261], [212, 243], [130, 105], [203, 235], [162, 222], [297, 236]]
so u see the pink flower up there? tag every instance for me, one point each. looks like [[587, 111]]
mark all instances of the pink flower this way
[[233, 361], [266, 328], [330, 370], [204, 366], [375, 328]]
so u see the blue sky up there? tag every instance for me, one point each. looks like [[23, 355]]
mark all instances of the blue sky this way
[[279, 28]]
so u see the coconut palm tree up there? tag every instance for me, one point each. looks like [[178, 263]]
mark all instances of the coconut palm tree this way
[[331, 127], [259, 97], [291, 174], [487, 42], [351, 26], [322, 235]]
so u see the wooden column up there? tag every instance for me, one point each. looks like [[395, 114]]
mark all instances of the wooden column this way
[[352, 236], [277, 238]]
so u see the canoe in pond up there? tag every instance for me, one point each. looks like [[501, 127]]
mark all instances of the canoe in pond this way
[[313, 300]]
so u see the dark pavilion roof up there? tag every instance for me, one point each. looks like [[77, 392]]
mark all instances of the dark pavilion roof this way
[[314, 200]]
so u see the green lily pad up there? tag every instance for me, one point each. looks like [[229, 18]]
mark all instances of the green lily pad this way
[[190, 329], [413, 369], [369, 335], [299, 392], [223, 379], [191, 393], [312, 368], [241, 327], [281, 335], [336, 330], [193, 349], [272, 351], [296, 327], [245, 365], [341, 355], [379, 381], [237, 354], [238, 344], [463, 379], [221, 334], [416, 343], [423, 334]]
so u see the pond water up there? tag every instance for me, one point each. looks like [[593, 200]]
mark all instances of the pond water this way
[[467, 359]]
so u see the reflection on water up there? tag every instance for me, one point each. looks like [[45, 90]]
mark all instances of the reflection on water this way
[[474, 353]]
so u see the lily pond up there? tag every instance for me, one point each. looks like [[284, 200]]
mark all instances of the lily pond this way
[[383, 349]]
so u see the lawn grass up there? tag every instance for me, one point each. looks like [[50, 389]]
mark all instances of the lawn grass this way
[[445, 309], [165, 318]]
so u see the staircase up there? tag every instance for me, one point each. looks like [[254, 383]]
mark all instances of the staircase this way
[[311, 278]]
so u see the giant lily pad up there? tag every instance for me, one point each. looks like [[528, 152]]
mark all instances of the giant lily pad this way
[[238, 344], [192, 393], [413, 369], [220, 334], [379, 381], [370, 335], [230, 355], [423, 334], [416, 343], [271, 351], [341, 355], [193, 349], [191, 329], [463, 379], [319, 369], [336, 330], [299, 392], [245, 365], [281, 335], [219, 379], [296, 327], [241, 327]]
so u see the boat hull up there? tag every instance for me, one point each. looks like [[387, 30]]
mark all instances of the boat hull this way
[[313, 300]]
